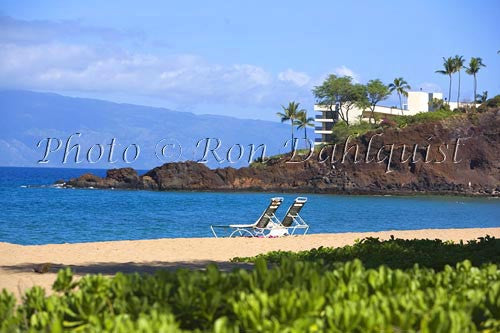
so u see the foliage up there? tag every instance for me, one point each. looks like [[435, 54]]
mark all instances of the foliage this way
[[340, 94], [330, 92], [475, 65], [481, 98], [401, 87], [423, 117], [258, 163], [491, 103], [449, 69], [312, 294], [341, 130], [355, 97], [303, 121], [376, 92], [290, 113], [439, 104], [458, 65], [398, 253]]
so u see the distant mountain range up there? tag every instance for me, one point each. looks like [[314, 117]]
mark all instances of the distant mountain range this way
[[30, 117]]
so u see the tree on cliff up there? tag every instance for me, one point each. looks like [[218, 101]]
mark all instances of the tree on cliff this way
[[475, 65], [354, 96], [449, 69], [339, 95], [303, 122], [401, 87], [290, 113], [376, 92], [458, 65]]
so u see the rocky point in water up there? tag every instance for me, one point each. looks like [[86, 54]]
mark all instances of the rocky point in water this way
[[458, 155]]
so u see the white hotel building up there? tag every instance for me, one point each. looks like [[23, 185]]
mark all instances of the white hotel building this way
[[417, 101]]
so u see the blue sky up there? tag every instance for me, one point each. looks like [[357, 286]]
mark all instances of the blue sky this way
[[239, 58]]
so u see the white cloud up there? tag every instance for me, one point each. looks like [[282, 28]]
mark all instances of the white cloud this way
[[345, 71], [176, 78], [298, 78], [37, 55]]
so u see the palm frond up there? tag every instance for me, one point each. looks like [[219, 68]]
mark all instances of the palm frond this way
[[283, 116]]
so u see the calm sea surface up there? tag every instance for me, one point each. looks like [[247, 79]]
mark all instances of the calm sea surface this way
[[33, 212]]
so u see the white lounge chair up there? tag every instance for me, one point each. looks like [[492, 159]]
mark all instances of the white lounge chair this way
[[260, 228], [292, 220]]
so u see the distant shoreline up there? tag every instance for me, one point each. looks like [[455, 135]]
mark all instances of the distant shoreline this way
[[472, 174], [382, 233], [147, 256]]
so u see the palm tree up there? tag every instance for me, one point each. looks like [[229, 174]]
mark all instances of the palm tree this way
[[303, 121], [459, 64], [401, 87], [290, 113], [475, 65], [449, 69], [481, 98]]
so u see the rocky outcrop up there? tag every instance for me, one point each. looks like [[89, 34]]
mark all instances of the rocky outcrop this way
[[460, 155], [125, 178]]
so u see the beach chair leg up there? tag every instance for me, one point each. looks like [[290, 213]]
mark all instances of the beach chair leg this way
[[213, 231], [240, 233]]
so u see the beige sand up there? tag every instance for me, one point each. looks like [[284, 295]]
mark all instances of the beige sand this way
[[17, 261]]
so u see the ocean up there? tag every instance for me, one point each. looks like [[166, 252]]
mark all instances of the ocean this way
[[34, 212]]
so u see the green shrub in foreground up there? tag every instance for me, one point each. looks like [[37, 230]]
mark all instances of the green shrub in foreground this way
[[294, 296], [398, 253]]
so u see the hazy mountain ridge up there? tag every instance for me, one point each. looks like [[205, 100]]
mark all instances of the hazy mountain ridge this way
[[29, 117]]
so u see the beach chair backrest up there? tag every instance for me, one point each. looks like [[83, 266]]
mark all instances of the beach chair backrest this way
[[293, 211], [266, 216]]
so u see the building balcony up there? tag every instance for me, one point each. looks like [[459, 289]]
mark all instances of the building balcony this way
[[321, 108], [322, 131], [320, 119], [328, 114], [324, 126]]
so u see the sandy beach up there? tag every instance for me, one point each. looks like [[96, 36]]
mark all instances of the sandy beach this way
[[17, 262]]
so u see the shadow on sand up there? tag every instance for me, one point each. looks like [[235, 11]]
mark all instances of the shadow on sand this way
[[110, 268]]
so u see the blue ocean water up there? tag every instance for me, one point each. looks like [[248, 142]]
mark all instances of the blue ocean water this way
[[33, 212]]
